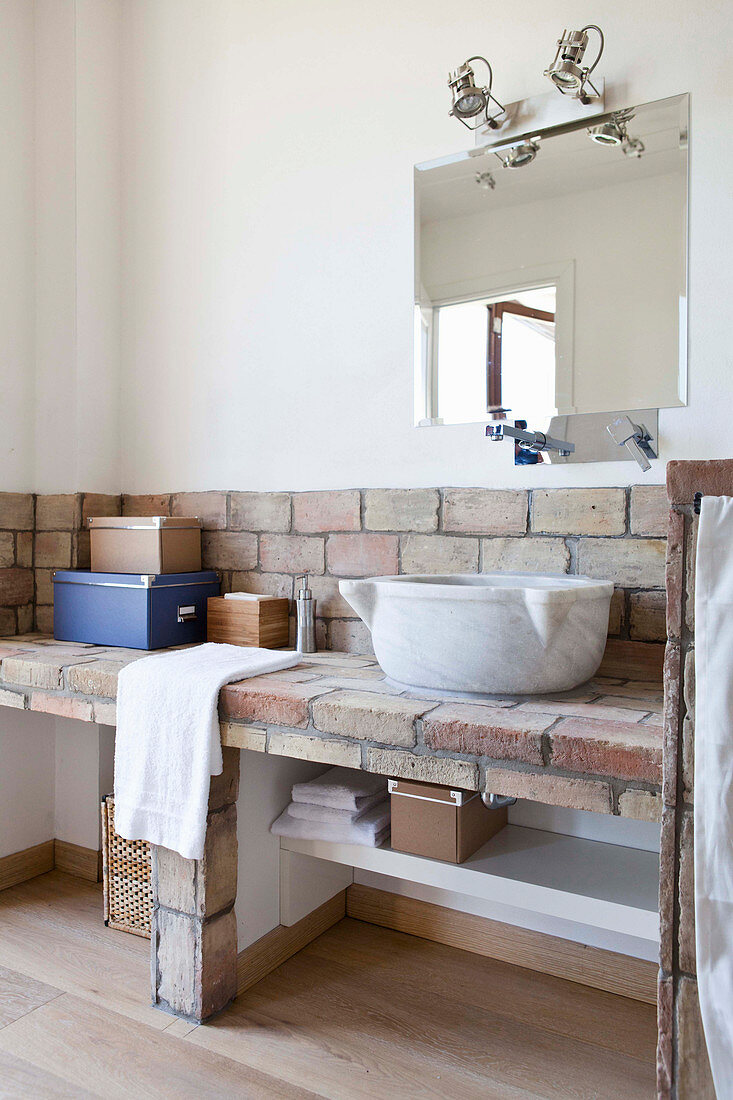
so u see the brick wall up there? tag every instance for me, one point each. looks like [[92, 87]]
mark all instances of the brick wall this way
[[17, 519], [61, 541], [683, 1072], [262, 541], [40, 533]]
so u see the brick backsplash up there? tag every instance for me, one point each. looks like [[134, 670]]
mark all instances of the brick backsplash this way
[[17, 596], [612, 533], [261, 541]]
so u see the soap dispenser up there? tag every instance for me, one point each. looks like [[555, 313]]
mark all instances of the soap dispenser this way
[[306, 613]]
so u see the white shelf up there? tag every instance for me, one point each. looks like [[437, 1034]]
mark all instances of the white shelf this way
[[587, 881]]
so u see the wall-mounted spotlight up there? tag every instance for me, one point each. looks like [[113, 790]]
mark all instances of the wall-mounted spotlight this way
[[472, 100], [485, 181], [608, 133], [567, 72], [614, 131], [633, 147], [519, 155]]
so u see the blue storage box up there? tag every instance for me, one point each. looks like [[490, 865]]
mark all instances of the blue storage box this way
[[137, 611]]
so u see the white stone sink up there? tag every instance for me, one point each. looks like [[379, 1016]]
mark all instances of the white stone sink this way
[[490, 633]]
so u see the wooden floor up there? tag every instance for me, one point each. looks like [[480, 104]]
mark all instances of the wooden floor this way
[[362, 1012]]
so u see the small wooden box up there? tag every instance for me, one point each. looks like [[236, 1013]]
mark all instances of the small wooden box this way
[[440, 823], [257, 622]]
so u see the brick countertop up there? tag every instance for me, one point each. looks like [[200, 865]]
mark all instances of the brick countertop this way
[[597, 748]]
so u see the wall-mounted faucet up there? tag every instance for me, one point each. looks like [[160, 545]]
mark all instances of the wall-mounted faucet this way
[[532, 442], [635, 437]]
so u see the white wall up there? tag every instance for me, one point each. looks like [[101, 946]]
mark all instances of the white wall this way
[[265, 786], [60, 227], [17, 235], [54, 773], [27, 800], [84, 775], [269, 251], [266, 301]]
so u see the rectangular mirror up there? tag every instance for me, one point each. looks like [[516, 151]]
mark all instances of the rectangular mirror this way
[[559, 286]]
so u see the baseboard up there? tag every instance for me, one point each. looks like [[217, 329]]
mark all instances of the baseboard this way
[[593, 966], [20, 866], [76, 860], [267, 953], [52, 855]]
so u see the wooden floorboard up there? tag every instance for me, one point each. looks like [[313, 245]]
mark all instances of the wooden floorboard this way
[[113, 1056], [405, 1037], [20, 1080], [20, 994], [620, 1024], [51, 929], [361, 1012]]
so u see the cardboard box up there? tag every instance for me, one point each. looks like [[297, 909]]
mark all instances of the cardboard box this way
[[145, 544], [440, 823], [261, 621]]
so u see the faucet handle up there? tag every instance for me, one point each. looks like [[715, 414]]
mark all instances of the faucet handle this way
[[635, 437]]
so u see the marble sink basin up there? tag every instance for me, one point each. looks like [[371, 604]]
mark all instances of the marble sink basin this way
[[490, 633]]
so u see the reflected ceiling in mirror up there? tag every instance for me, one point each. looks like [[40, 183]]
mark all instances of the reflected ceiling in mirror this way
[[559, 286]]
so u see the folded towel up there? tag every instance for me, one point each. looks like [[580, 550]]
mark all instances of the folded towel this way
[[371, 829], [309, 811], [168, 743], [257, 596], [341, 788]]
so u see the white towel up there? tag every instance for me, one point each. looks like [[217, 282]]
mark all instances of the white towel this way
[[714, 783], [168, 743], [371, 829], [309, 811], [341, 788]]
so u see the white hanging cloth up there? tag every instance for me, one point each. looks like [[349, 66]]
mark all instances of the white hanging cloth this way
[[714, 784]]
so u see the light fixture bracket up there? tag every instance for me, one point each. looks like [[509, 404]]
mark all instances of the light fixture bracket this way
[[529, 116]]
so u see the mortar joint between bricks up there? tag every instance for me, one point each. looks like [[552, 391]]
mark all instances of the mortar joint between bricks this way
[[571, 543], [627, 510], [618, 786]]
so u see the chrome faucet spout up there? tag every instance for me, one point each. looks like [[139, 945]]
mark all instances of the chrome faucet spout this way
[[528, 441]]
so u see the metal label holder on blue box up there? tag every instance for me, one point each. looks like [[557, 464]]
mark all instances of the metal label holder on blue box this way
[[130, 610]]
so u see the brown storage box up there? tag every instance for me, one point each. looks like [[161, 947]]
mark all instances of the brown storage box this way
[[433, 821], [145, 544], [260, 622]]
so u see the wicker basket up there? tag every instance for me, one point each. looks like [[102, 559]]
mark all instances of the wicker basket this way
[[128, 896]]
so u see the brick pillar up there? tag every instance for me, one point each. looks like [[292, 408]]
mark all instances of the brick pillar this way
[[194, 934], [683, 1071]]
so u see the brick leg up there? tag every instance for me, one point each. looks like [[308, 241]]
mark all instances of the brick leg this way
[[194, 935]]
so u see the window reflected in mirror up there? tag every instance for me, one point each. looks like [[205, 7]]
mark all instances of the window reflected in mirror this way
[[497, 354]]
